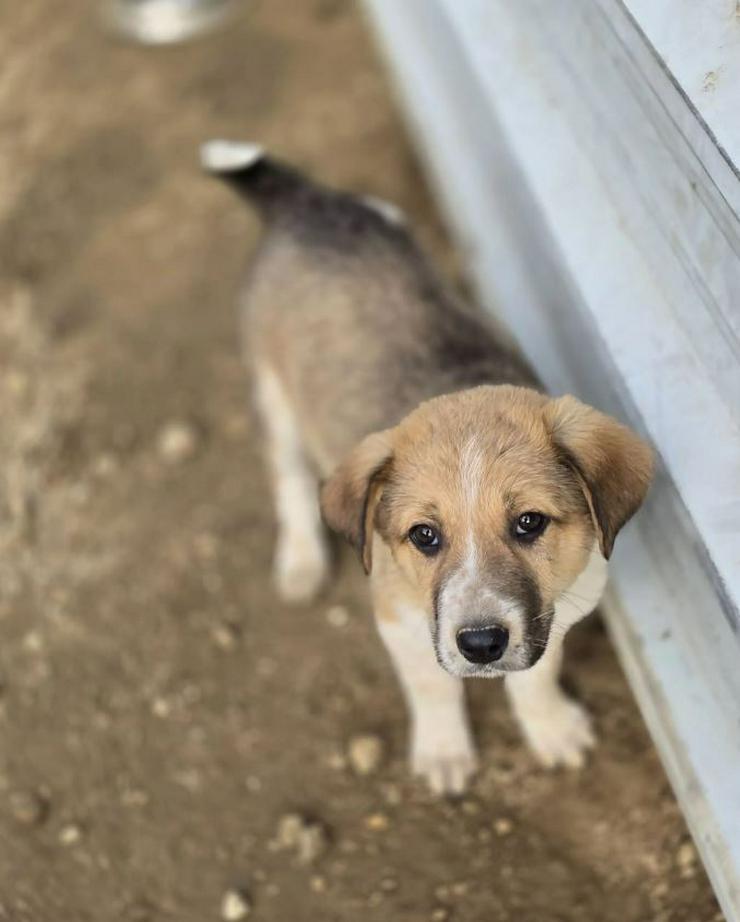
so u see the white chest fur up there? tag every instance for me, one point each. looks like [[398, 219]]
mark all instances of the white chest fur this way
[[583, 595]]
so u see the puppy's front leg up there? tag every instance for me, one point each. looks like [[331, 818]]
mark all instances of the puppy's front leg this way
[[557, 728], [442, 749]]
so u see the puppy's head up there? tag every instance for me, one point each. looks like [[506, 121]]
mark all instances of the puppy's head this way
[[488, 503]]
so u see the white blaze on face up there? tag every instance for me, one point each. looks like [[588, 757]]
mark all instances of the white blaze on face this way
[[471, 476], [472, 461], [466, 600]]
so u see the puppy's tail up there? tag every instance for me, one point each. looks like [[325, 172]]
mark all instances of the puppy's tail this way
[[257, 177]]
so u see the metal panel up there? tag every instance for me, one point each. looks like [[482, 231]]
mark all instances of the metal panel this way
[[594, 212], [700, 44]]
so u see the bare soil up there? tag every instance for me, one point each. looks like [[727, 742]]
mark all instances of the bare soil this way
[[160, 709]]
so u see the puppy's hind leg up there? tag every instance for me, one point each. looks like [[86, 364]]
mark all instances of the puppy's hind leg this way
[[301, 555]]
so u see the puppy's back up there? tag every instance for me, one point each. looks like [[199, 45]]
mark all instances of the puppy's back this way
[[341, 302]]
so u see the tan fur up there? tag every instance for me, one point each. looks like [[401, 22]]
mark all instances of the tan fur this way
[[613, 466], [391, 588], [349, 499]]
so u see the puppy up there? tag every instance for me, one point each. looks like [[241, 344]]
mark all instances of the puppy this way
[[482, 510]]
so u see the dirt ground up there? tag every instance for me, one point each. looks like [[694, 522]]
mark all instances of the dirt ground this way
[[160, 709]]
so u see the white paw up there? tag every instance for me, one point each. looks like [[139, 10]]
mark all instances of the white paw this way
[[560, 734], [301, 567], [447, 766]]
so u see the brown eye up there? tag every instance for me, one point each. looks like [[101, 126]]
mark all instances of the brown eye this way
[[530, 526], [425, 538]]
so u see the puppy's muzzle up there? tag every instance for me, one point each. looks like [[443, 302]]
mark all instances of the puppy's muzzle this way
[[482, 644]]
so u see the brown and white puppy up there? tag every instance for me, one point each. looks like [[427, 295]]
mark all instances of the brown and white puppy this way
[[482, 510]]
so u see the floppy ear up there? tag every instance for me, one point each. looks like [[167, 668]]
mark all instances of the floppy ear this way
[[350, 496], [613, 466]]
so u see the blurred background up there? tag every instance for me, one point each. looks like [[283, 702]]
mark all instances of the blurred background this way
[[160, 756]]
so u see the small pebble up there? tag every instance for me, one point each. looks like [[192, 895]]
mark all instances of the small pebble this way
[[307, 838], [686, 858], [235, 905], [375, 898], [177, 442], [337, 762], [188, 778], [389, 885], [503, 826], [440, 914], [70, 834], [686, 855], [28, 808], [161, 707], [289, 830], [365, 754], [337, 616], [318, 884], [225, 636], [377, 822], [661, 889], [312, 844], [253, 784], [33, 642]]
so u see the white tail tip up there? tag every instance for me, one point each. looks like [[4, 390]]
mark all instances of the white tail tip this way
[[387, 210], [229, 156]]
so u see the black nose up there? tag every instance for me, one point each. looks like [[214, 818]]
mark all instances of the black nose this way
[[483, 644]]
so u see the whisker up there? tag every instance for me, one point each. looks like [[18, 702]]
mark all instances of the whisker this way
[[575, 595], [578, 608]]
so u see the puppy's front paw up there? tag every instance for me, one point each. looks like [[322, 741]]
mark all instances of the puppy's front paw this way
[[301, 567], [446, 764], [560, 734]]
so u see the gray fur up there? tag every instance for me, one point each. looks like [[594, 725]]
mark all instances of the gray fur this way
[[343, 304]]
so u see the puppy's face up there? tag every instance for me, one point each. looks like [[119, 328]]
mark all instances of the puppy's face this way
[[489, 502]]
